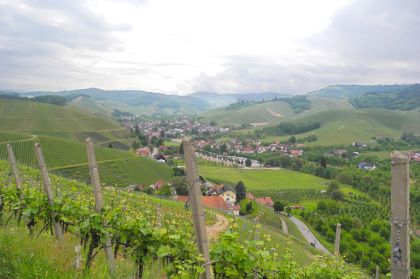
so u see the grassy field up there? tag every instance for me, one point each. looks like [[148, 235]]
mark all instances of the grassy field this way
[[266, 179]]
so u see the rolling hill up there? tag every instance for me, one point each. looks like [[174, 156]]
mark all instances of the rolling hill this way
[[272, 112], [61, 131], [350, 91], [257, 114], [346, 126], [68, 158], [41, 119]]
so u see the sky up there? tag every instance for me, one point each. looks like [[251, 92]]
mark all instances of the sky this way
[[223, 46]]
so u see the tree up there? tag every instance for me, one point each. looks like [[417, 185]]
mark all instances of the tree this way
[[240, 191], [278, 206], [165, 191], [180, 185], [110, 145], [213, 123], [248, 162], [292, 139], [333, 186], [337, 195], [323, 162], [181, 149], [248, 207]]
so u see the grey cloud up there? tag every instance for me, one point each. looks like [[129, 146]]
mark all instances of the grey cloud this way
[[256, 74], [39, 39], [375, 41], [375, 30]]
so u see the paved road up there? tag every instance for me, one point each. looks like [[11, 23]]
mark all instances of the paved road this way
[[309, 236]]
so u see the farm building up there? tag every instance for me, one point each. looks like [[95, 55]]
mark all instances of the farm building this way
[[229, 196]]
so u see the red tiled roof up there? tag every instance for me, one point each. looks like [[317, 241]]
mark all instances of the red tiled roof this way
[[215, 202], [265, 201], [250, 196]]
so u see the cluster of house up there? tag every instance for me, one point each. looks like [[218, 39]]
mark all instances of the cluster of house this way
[[223, 198], [250, 147], [154, 153], [171, 128]]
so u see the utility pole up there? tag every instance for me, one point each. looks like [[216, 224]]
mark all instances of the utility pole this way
[[196, 205], [337, 239], [400, 216]]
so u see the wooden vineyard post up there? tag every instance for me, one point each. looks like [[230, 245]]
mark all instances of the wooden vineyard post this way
[[400, 218], [377, 272], [337, 239], [99, 202], [256, 237], [15, 170], [47, 188], [196, 205]]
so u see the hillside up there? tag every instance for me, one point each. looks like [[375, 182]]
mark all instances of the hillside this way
[[164, 228], [68, 158], [134, 101], [256, 114], [272, 112], [346, 126], [45, 119], [222, 100], [350, 91], [407, 98]]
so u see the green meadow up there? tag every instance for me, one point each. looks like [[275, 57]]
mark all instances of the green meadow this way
[[263, 179]]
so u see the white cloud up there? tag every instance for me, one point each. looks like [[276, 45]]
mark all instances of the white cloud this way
[[188, 45]]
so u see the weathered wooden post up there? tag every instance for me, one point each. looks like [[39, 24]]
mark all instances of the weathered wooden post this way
[[337, 239], [47, 188], [15, 170], [377, 272], [256, 237], [99, 202], [199, 218], [400, 218]]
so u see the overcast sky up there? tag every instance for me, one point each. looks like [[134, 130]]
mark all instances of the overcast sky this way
[[184, 46]]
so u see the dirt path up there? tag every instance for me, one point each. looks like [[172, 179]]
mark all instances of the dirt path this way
[[220, 225], [273, 113]]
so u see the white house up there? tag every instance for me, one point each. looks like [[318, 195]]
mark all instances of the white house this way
[[229, 197]]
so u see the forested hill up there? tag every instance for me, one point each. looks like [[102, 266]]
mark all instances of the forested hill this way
[[406, 98], [354, 91]]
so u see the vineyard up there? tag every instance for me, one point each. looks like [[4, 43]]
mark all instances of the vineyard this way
[[59, 122], [156, 236], [68, 159]]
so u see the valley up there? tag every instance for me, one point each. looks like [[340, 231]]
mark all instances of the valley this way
[[288, 167]]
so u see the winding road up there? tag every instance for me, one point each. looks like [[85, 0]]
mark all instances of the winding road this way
[[309, 236]]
